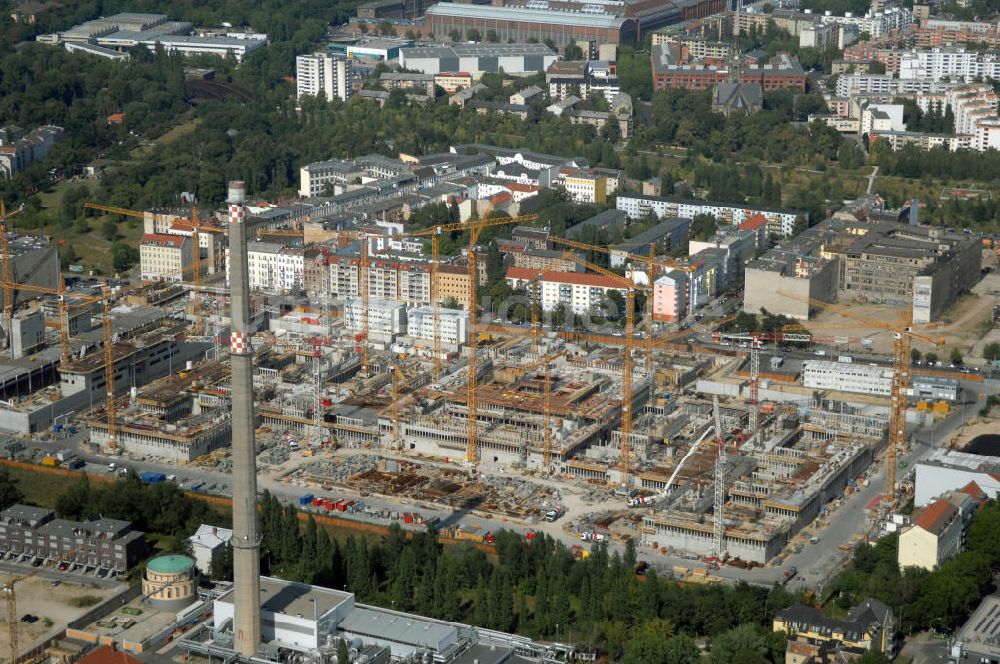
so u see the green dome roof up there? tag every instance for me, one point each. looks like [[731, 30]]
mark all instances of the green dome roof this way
[[170, 564]]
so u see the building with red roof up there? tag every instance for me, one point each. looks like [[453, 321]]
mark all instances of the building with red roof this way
[[935, 535], [583, 292]]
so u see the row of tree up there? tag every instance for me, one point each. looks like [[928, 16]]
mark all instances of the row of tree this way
[[534, 587]]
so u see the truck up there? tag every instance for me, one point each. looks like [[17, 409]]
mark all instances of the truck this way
[[640, 501], [150, 477], [306, 500]]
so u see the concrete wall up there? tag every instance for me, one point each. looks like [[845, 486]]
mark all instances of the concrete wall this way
[[28, 421], [38, 268]]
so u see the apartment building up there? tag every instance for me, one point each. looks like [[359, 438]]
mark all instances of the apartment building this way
[[847, 377], [869, 626], [670, 300], [453, 284], [384, 318], [18, 150], [167, 257], [583, 293], [109, 544], [570, 78], [949, 63], [780, 221], [452, 82], [934, 536], [584, 185], [323, 75], [453, 324], [543, 259]]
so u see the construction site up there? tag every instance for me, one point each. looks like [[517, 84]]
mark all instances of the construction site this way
[[673, 436]]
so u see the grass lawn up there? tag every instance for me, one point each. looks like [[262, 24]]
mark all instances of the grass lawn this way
[[41, 488], [93, 249]]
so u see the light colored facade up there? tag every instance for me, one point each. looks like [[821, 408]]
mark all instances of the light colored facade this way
[[585, 186], [453, 325], [949, 63], [207, 544], [780, 221], [934, 536], [164, 256], [323, 75], [384, 318], [847, 377], [670, 302], [584, 293]]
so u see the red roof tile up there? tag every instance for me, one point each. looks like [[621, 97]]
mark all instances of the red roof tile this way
[[754, 222], [973, 490], [162, 239], [934, 517], [108, 655]]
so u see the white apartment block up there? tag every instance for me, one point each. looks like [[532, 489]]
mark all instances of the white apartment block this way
[[583, 293], [779, 221], [847, 377], [323, 75], [273, 267], [164, 256], [290, 269], [384, 318], [855, 85], [875, 23], [977, 125], [453, 326], [953, 63]]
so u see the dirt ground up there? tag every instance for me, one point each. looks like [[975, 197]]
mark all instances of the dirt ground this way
[[52, 605], [969, 322]]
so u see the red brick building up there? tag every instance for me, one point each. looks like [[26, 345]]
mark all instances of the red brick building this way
[[782, 71], [518, 24]]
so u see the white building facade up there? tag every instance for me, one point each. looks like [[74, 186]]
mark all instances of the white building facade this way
[[323, 75]]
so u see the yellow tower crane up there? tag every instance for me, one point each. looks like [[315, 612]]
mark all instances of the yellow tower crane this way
[[547, 407], [903, 333]]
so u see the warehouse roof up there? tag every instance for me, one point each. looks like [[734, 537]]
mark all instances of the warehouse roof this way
[[398, 627], [549, 16]]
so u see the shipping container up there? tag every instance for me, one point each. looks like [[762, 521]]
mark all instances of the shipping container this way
[[306, 500]]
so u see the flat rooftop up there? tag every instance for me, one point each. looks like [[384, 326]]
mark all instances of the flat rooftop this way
[[398, 627], [290, 598]]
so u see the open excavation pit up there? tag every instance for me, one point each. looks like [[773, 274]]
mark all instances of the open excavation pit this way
[[434, 486]]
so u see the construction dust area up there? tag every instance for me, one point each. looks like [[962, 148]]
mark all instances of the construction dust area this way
[[433, 487], [779, 482], [46, 607]]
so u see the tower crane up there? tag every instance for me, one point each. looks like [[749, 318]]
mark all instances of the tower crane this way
[[547, 409], [475, 228], [903, 333], [651, 264], [8, 270], [627, 361], [719, 503], [8, 591], [196, 229]]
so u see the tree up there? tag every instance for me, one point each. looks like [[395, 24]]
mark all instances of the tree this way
[[703, 226], [10, 494], [956, 356], [931, 358], [455, 35], [874, 657], [492, 36], [109, 230], [343, 656], [221, 567], [123, 256], [800, 225], [915, 355], [745, 644], [385, 28], [474, 35], [991, 351], [572, 52]]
